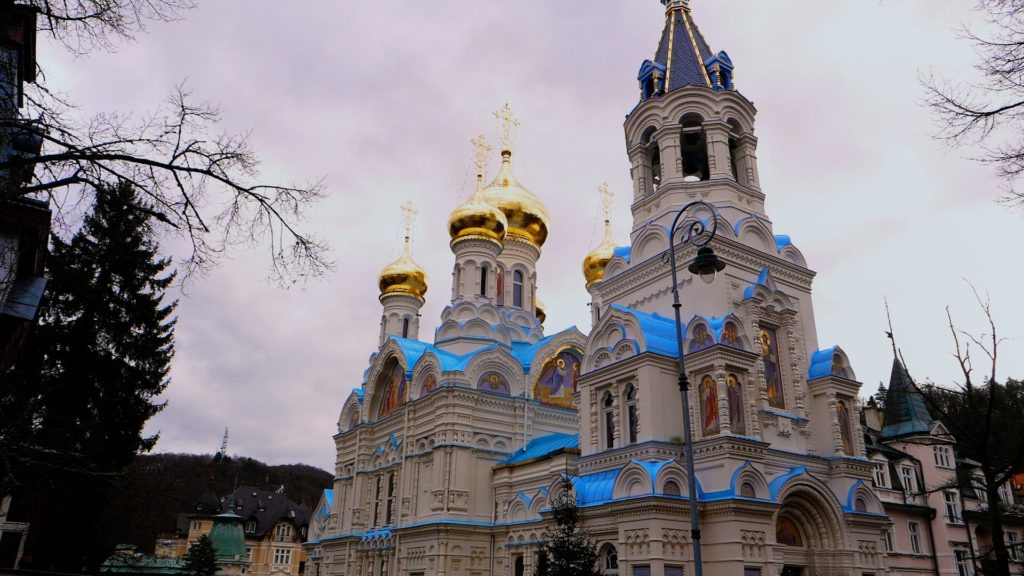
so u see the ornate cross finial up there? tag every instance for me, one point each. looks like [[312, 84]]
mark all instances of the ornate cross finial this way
[[408, 217], [606, 200], [508, 122], [482, 148]]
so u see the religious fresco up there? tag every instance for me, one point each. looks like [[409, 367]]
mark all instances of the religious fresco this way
[[844, 427], [494, 383], [837, 365], [786, 532], [394, 393], [701, 338], [355, 421], [557, 381], [429, 384], [731, 335], [737, 411], [772, 368], [709, 406]]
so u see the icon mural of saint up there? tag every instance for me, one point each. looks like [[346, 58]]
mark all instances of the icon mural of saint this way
[[772, 372], [557, 381], [701, 338], [737, 418], [844, 428], [493, 382], [730, 335], [429, 384], [709, 405], [394, 390]]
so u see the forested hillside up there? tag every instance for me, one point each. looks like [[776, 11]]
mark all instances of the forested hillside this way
[[157, 487]]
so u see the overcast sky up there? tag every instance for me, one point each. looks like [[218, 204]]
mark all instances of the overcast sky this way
[[382, 99]]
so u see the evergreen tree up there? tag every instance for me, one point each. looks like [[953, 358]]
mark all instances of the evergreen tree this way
[[569, 550], [200, 559], [85, 386]]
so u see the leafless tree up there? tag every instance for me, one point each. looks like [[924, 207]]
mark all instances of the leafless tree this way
[[201, 183], [989, 113]]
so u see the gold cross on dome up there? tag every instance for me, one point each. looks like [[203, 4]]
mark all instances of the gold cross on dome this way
[[408, 217], [482, 148], [508, 122], [606, 200]]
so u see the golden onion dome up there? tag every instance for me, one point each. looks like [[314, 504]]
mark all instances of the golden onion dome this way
[[527, 217], [403, 276], [538, 307], [598, 258], [477, 218]]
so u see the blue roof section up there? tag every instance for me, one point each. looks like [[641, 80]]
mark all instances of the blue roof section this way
[[762, 280], [776, 484], [542, 446], [524, 351], [328, 505], [781, 241], [658, 331], [821, 364], [905, 411], [652, 469], [678, 41], [624, 252], [596, 488]]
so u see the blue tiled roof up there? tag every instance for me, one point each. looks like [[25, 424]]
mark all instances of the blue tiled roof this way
[[596, 488], [781, 241], [821, 364], [658, 331], [624, 252], [762, 280], [542, 446], [677, 44], [905, 411]]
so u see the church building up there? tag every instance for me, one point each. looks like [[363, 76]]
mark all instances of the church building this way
[[453, 447]]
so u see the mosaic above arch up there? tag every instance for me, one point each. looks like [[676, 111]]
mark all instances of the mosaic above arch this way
[[494, 383], [393, 386], [557, 381]]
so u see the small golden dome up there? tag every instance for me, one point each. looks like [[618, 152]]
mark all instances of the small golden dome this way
[[598, 258], [403, 276], [538, 307], [477, 218], [527, 217]]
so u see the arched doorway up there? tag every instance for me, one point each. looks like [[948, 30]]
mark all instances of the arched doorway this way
[[809, 532]]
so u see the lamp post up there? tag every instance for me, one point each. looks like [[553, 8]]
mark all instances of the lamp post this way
[[707, 266]]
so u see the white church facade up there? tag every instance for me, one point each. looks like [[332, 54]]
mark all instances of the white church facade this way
[[454, 445]]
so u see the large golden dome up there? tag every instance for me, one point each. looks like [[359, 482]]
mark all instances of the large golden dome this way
[[477, 219], [403, 277], [527, 217], [598, 258]]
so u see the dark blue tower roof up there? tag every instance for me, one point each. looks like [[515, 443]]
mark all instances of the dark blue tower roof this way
[[682, 49], [683, 57], [905, 411]]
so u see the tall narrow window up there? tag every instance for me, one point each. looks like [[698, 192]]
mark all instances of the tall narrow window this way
[[1013, 545], [517, 289], [631, 414], [915, 537], [520, 567], [609, 420], [889, 544], [881, 475], [693, 149], [376, 502], [908, 478], [390, 510], [405, 327], [952, 501], [963, 563], [483, 280]]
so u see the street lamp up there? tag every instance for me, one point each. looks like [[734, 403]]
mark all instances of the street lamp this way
[[707, 266]]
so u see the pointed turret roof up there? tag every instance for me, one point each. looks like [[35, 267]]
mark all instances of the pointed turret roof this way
[[905, 410], [682, 49]]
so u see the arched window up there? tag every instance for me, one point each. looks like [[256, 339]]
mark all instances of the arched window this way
[[609, 420], [653, 154], [747, 490], [633, 420], [405, 327], [672, 488], [735, 131], [517, 289], [483, 280], [859, 505], [608, 560], [694, 148]]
